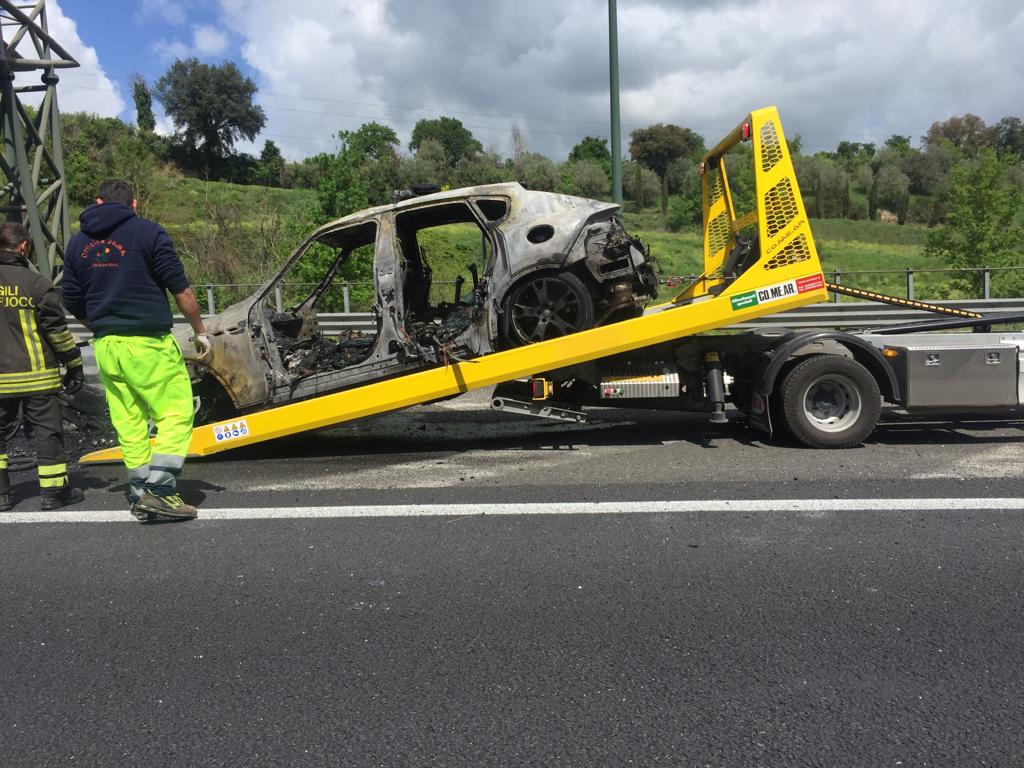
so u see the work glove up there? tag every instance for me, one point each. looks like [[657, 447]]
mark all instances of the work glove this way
[[74, 379], [202, 344]]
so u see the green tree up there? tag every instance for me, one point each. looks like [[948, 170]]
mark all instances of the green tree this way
[[927, 170], [90, 147], [143, 104], [342, 178], [594, 150], [427, 166], [826, 185], [639, 184], [1008, 136], [739, 164], [211, 107], [451, 134], [851, 155], [271, 167], [373, 141], [686, 208], [657, 146], [373, 149], [535, 171], [899, 144], [982, 213], [584, 177], [893, 188], [484, 168], [967, 133]]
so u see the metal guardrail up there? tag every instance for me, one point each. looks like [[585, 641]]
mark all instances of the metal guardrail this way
[[867, 314], [824, 315], [210, 290]]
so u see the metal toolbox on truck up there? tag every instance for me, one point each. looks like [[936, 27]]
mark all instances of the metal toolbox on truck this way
[[956, 375]]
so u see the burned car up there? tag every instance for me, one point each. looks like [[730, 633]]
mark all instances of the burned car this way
[[540, 265]]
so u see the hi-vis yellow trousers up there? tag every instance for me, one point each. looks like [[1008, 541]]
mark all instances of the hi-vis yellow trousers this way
[[145, 378]]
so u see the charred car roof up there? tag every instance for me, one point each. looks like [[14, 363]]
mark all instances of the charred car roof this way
[[527, 208]]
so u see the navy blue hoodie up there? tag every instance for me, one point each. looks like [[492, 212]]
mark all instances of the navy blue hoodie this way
[[117, 271]]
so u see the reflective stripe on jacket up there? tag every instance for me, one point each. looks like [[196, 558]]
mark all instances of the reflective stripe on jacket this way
[[34, 336]]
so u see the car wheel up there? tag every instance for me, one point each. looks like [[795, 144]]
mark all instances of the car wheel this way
[[547, 305], [830, 401]]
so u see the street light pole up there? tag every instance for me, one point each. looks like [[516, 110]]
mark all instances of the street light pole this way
[[613, 63]]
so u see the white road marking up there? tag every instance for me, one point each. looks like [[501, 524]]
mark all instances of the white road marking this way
[[811, 506]]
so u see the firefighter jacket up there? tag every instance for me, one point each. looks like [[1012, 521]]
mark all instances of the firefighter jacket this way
[[34, 336]]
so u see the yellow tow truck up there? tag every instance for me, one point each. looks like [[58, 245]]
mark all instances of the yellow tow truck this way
[[825, 388]]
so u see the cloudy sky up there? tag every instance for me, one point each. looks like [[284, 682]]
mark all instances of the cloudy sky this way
[[836, 70]]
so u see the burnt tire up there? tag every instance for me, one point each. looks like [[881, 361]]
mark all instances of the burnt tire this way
[[829, 401], [546, 305]]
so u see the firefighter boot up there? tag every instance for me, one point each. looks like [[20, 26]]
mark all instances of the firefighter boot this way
[[5, 492], [61, 496]]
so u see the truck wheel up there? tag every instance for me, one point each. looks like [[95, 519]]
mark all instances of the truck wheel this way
[[830, 401]]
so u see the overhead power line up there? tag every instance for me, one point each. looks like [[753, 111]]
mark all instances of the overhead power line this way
[[706, 131]]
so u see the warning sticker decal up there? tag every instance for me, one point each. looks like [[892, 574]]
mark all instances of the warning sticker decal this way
[[231, 431]]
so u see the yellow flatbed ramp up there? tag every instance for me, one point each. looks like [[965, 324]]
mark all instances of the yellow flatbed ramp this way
[[787, 274]]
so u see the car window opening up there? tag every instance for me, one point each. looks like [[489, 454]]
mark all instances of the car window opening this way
[[316, 284], [445, 254]]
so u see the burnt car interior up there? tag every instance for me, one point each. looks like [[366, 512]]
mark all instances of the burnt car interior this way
[[432, 314], [437, 314], [303, 350]]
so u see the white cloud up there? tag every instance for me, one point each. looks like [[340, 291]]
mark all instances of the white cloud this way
[[171, 11], [208, 41], [85, 88], [169, 50], [835, 72]]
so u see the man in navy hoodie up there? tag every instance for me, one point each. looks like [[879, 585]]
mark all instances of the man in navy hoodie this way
[[118, 270]]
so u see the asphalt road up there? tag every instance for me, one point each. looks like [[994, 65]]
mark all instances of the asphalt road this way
[[830, 635]]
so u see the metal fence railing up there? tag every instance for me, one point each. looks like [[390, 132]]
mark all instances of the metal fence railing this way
[[824, 315], [905, 282]]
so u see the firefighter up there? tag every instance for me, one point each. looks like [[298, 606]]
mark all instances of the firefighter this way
[[117, 272], [34, 343]]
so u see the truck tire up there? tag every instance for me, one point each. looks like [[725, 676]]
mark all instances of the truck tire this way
[[830, 401]]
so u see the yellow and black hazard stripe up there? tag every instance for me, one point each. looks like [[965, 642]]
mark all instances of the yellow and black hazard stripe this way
[[900, 302]]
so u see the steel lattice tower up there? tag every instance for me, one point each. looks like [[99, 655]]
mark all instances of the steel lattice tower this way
[[34, 192]]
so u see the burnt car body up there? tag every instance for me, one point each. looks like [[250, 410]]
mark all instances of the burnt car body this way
[[548, 265]]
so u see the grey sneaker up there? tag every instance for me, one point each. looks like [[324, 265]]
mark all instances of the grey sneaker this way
[[140, 514], [166, 506], [5, 502]]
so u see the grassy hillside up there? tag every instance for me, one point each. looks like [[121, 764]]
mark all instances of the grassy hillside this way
[[883, 251], [230, 233]]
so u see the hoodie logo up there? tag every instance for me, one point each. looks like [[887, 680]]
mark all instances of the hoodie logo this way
[[103, 253]]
